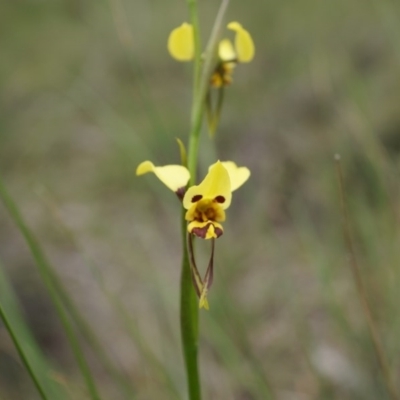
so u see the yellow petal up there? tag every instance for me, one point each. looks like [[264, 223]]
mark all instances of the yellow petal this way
[[244, 44], [205, 230], [216, 185], [181, 43], [172, 176], [226, 52], [237, 175]]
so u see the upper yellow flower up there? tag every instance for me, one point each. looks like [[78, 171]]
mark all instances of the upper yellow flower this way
[[181, 44], [205, 203]]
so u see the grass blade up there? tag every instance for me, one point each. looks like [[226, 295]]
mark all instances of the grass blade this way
[[45, 272], [30, 353]]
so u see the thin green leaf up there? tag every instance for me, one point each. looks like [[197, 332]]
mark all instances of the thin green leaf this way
[[45, 272], [38, 368]]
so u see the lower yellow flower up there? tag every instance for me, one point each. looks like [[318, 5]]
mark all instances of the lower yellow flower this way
[[205, 204]]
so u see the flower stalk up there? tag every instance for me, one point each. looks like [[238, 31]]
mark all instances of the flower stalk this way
[[188, 301], [203, 205], [205, 73]]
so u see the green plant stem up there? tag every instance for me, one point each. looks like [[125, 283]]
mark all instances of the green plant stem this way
[[189, 320], [194, 19], [22, 354], [189, 313], [199, 101], [361, 290], [188, 301], [46, 274]]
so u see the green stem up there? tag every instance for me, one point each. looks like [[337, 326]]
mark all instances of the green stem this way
[[189, 321], [188, 302], [22, 354], [197, 47], [45, 272], [199, 100], [189, 313]]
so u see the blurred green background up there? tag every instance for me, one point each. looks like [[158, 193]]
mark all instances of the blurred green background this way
[[88, 91]]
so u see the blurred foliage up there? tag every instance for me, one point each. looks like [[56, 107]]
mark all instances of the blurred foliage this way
[[88, 91]]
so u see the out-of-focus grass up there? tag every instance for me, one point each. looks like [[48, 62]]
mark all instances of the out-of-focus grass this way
[[80, 109]]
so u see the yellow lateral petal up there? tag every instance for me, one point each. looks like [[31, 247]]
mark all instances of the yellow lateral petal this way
[[237, 175], [244, 44], [226, 52], [216, 183], [172, 176], [181, 43]]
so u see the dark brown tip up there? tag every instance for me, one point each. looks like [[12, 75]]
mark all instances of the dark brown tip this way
[[196, 198], [218, 231], [220, 199], [181, 193]]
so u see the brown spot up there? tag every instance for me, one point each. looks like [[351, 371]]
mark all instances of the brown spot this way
[[196, 198], [202, 232], [218, 231], [181, 193], [220, 199], [210, 214]]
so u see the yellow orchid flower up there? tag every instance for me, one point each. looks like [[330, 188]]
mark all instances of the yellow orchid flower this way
[[181, 48], [181, 44], [176, 177], [207, 201], [205, 204], [242, 52]]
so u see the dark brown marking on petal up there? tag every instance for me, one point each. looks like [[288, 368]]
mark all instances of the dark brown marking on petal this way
[[201, 232], [218, 231], [196, 198], [220, 199], [210, 214], [181, 193]]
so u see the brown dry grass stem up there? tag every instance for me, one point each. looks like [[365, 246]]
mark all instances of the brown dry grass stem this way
[[361, 290]]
